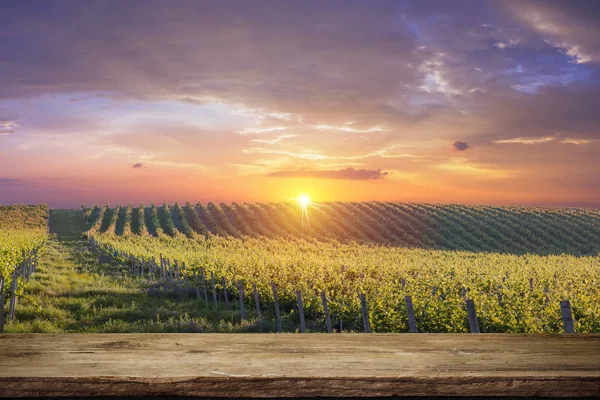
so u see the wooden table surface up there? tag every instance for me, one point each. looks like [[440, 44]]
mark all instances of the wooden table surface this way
[[296, 365]]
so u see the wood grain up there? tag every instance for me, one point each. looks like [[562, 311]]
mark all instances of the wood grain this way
[[292, 365]]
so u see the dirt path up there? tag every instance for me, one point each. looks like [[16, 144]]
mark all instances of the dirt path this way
[[72, 291]]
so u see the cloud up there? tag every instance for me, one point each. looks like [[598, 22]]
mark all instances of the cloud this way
[[273, 141], [521, 140], [382, 84], [571, 26], [564, 140], [345, 174], [461, 146], [347, 128], [138, 165], [7, 127], [10, 182]]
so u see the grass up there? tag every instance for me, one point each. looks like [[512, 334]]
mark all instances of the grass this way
[[75, 290]]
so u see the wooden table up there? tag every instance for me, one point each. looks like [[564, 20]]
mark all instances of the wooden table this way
[[297, 365]]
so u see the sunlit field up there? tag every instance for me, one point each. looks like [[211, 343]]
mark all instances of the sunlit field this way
[[22, 230], [516, 263], [100, 268]]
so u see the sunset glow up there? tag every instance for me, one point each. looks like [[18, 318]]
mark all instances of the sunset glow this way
[[492, 102], [304, 200]]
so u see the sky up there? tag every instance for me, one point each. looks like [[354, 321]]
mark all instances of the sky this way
[[475, 102]]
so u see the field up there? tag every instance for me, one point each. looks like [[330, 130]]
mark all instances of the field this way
[[513, 230], [23, 229], [515, 263], [100, 270]]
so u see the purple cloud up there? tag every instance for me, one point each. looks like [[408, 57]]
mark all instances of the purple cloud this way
[[461, 146], [346, 174]]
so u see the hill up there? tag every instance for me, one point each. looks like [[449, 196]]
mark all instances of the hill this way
[[515, 230]]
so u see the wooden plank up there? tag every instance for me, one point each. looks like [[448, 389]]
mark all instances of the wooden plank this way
[[277, 313], [567, 317], [317, 365]]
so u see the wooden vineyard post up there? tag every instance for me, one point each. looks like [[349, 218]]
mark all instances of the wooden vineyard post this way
[[499, 294], [186, 281], [1, 305], [365, 313], [214, 289], [567, 316], [277, 313], [225, 294], [472, 316], [13, 296], [326, 309], [25, 267], [256, 302], [301, 311], [197, 286], [241, 291], [204, 286], [403, 283], [412, 323], [530, 283], [433, 290]]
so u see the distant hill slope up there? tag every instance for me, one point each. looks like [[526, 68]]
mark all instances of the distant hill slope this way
[[21, 216], [452, 227]]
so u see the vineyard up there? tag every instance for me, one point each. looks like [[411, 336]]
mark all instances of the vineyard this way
[[23, 230], [515, 263], [514, 230]]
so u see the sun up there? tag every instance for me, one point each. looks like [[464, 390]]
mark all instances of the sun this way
[[304, 200]]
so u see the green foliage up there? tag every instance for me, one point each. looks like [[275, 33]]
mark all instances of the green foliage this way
[[343, 271], [351, 248], [22, 230]]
